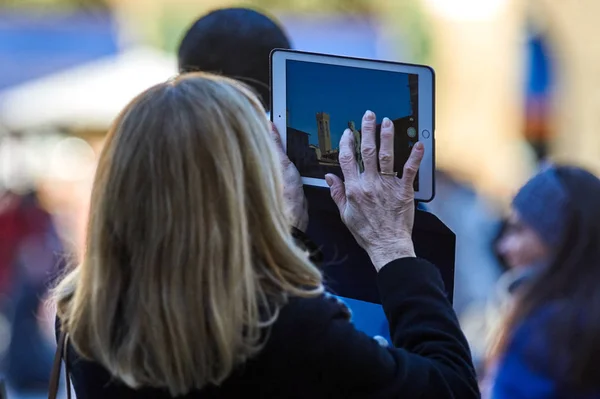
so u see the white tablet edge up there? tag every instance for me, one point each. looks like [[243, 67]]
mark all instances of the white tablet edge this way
[[426, 106]]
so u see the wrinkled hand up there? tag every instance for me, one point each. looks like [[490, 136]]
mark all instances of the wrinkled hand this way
[[378, 208], [293, 190]]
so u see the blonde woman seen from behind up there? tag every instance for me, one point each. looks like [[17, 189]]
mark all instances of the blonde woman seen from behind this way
[[193, 285]]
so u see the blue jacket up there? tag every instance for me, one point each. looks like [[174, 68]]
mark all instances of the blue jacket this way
[[522, 372]]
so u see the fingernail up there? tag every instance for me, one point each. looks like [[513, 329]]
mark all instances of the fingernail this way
[[418, 146], [386, 122], [348, 132], [328, 180], [369, 115]]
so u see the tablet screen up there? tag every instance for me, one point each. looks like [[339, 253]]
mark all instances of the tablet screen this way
[[323, 100]]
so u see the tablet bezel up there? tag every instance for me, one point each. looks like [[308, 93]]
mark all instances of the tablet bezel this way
[[426, 116]]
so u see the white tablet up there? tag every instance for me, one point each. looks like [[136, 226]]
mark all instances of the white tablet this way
[[315, 97]]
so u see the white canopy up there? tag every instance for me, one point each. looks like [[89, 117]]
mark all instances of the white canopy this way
[[87, 96]]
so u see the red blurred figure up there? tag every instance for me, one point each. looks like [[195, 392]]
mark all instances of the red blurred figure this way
[[20, 218]]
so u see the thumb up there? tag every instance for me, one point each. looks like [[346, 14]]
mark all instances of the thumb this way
[[276, 137], [338, 191], [283, 158]]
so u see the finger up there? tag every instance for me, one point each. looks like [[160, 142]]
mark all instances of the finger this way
[[368, 148], [277, 139], [346, 157], [386, 147], [412, 165], [338, 191]]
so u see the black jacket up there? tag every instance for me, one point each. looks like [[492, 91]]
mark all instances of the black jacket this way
[[315, 352]]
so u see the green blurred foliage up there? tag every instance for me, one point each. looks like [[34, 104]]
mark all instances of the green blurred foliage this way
[[408, 20], [403, 18], [175, 21], [54, 5], [329, 6]]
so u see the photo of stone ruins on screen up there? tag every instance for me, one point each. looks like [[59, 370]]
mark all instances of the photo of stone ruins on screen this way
[[316, 156]]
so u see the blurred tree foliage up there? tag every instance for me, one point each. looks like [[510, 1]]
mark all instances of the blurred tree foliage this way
[[329, 6], [403, 18], [52, 5], [408, 20]]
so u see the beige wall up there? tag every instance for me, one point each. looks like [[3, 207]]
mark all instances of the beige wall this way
[[573, 30], [480, 99]]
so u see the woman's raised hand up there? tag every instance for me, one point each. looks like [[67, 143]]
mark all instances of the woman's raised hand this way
[[376, 205]]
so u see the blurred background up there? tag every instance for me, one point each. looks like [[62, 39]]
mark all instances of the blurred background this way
[[517, 86]]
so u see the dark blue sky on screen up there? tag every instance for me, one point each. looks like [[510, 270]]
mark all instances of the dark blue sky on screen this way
[[344, 93]]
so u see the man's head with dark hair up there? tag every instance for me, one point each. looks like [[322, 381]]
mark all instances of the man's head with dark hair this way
[[234, 42]]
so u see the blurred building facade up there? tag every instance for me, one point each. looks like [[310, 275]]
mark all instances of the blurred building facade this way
[[570, 29]]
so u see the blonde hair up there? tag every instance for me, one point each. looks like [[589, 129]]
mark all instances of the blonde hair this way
[[189, 255]]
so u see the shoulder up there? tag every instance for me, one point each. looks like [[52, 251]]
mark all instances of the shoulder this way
[[304, 327], [310, 313], [531, 335], [316, 342], [529, 341], [523, 367]]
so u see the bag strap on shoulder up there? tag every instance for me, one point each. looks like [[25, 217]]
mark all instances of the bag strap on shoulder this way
[[59, 356]]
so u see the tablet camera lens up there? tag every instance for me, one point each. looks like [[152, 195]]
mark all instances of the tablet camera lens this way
[[411, 132]]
